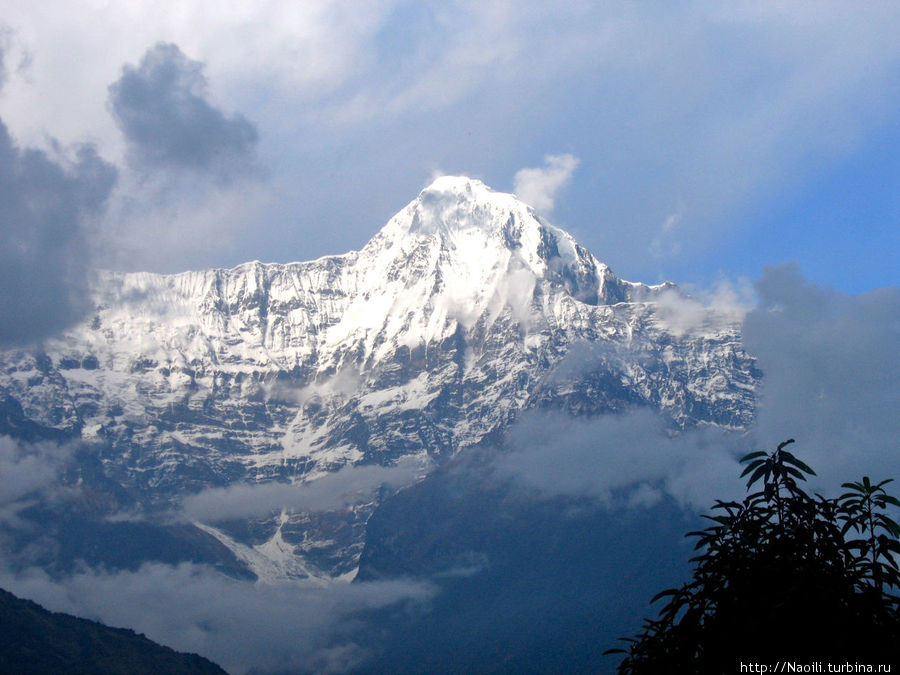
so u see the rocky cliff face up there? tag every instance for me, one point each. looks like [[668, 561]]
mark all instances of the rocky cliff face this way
[[463, 311]]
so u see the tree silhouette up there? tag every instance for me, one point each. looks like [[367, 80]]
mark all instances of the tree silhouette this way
[[778, 578]]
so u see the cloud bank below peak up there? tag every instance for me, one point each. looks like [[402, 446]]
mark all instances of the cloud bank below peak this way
[[342, 489], [245, 627], [831, 380]]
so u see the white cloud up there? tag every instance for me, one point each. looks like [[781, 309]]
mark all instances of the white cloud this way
[[538, 187], [285, 627], [726, 304], [300, 50], [341, 489], [435, 173], [28, 470]]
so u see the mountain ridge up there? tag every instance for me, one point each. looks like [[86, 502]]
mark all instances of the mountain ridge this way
[[464, 310]]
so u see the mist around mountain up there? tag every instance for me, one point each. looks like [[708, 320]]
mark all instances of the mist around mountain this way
[[467, 447]]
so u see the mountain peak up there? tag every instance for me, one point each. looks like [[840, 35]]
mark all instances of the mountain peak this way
[[464, 188], [456, 184], [461, 252], [453, 205]]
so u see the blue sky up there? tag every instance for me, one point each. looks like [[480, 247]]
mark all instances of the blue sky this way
[[708, 140]]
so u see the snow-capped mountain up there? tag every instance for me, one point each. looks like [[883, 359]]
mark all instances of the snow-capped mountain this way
[[463, 311]]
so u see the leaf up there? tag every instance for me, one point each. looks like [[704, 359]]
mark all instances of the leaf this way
[[847, 525], [665, 593], [791, 470], [791, 459], [888, 524], [750, 467], [758, 453], [724, 520], [756, 475], [888, 499]]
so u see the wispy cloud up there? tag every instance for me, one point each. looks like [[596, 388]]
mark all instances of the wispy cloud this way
[[666, 242], [538, 187], [725, 305]]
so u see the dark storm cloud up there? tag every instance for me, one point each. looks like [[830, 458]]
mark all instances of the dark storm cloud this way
[[162, 108], [46, 206]]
